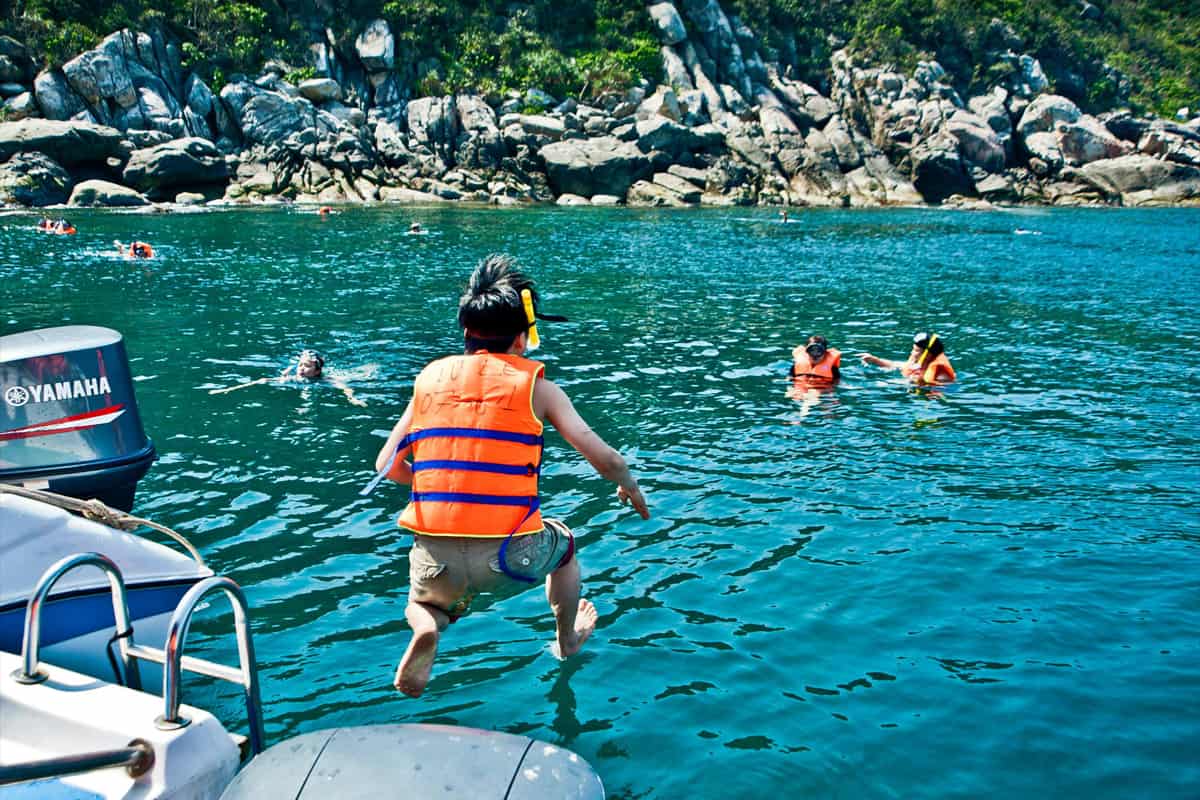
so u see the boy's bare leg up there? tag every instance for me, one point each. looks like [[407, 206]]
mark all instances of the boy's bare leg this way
[[574, 617], [427, 623]]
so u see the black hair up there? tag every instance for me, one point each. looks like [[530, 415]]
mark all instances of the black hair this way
[[491, 310], [320, 359], [935, 349]]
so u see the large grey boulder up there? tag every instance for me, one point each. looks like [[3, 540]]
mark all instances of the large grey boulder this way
[[603, 165], [977, 141], [660, 133], [1044, 114], [647, 193], [1044, 152], [433, 126], [263, 116], [67, 143], [199, 108], [34, 179], [55, 96], [1088, 140], [675, 71], [938, 169], [376, 47], [837, 132], [105, 193], [1141, 180], [102, 74], [159, 171], [21, 106], [667, 22], [321, 90]]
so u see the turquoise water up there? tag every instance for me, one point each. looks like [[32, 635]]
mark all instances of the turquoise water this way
[[989, 591]]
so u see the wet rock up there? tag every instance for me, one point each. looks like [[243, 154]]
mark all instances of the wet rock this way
[[105, 193], [646, 193], [68, 143], [33, 179], [1141, 180], [159, 171], [588, 167]]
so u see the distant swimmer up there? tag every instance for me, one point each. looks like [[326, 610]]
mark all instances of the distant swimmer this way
[[309, 366], [60, 226], [927, 364], [816, 364], [134, 250], [416, 228], [474, 428], [783, 215], [325, 211]]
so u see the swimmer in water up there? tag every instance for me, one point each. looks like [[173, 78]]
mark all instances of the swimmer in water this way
[[927, 363], [134, 250], [309, 367]]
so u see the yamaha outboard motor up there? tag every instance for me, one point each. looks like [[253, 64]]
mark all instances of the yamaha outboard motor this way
[[68, 419]]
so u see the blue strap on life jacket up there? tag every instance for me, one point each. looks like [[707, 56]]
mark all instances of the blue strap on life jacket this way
[[477, 466], [501, 560], [533, 503]]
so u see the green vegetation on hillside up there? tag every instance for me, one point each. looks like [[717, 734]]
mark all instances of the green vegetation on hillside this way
[[1144, 52], [1154, 44]]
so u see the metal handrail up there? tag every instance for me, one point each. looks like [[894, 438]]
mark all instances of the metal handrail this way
[[174, 661], [31, 641], [137, 758], [171, 657]]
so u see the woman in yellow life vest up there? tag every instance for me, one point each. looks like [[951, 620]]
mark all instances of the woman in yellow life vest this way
[[927, 364], [474, 429], [815, 364]]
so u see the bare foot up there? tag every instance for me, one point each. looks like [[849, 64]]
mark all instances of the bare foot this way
[[417, 664], [585, 623]]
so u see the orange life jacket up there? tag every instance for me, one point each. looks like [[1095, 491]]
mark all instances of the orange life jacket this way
[[936, 371], [820, 372], [477, 448], [140, 250]]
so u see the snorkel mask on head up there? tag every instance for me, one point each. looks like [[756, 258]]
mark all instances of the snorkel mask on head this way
[[532, 316], [924, 341], [816, 351]]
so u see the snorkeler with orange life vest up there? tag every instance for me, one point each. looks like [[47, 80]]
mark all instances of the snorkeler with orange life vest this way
[[927, 364], [474, 428]]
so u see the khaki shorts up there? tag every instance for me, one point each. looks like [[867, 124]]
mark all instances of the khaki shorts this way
[[448, 571]]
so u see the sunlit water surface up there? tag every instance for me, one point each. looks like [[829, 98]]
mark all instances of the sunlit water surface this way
[[989, 591]]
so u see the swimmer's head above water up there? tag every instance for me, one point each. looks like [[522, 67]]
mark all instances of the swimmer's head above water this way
[[310, 364], [816, 347], [926, 347]]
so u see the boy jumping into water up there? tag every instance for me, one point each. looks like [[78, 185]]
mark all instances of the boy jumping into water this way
[[474, 428]]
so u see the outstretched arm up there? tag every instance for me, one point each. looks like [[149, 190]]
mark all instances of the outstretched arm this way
[[241, 385], [552, 404], [867, 358], [401, 471], [346, 390]]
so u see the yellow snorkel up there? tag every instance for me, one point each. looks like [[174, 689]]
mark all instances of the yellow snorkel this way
[[926, 377], [531, 317]]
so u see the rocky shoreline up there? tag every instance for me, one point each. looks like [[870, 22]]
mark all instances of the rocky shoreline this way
[[126, 124]]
